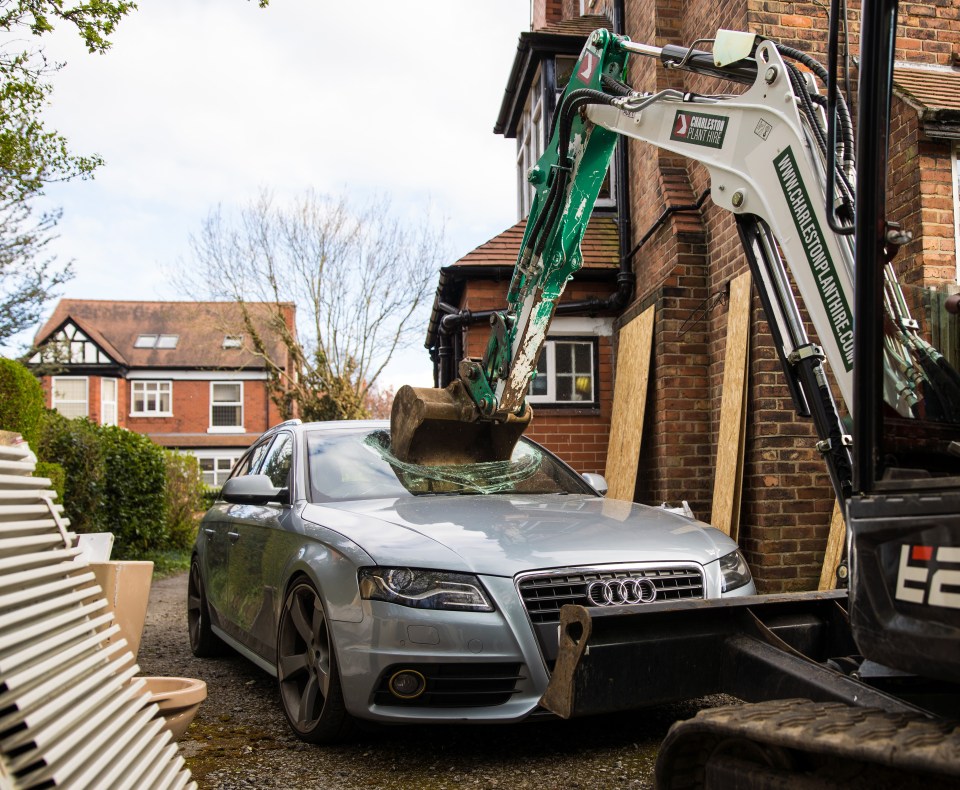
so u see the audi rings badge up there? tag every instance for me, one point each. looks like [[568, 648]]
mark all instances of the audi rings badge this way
[[620, 592]]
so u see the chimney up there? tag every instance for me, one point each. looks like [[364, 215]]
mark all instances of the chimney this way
[[545, 12]]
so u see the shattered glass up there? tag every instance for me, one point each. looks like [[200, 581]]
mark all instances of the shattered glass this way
[[351, 464], [489, 477]]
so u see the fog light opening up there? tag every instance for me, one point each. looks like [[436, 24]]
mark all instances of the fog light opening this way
[[407, 684]]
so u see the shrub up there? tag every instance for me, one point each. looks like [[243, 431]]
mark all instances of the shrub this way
[[21, 401], [184, 498], [57, 475], [75, 446], [133, 491]]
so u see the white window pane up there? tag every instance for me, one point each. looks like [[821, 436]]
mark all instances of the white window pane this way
[[226, 393], [145, 341], [70, 389], [71, 410], [152, 397]]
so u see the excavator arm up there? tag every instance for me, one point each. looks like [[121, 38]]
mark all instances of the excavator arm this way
[[766, 154]]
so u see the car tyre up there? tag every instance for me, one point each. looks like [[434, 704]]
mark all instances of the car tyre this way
[[203, 642], [307, 674]]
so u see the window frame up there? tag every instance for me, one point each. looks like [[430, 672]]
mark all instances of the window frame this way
[[955, 178], [146, 412], [549, 399], [217, 457], [226, 428], [104, 381], [55, 402]]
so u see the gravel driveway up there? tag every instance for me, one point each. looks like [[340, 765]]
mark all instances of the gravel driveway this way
[[240, 738]]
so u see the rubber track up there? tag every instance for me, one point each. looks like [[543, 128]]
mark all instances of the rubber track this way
[[821, 733]]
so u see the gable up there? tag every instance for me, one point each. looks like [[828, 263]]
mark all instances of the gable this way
[[71, 345]]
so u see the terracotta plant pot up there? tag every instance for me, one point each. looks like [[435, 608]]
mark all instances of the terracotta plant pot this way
[[126, 586], [178, 699]]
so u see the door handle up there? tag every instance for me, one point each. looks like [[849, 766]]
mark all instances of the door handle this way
[[234, 536], [209, 531]]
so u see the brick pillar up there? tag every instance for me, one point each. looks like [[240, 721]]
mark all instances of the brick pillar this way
[[545, 12]]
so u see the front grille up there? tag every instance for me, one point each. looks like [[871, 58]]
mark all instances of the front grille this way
[[544, 595], [455, 685]]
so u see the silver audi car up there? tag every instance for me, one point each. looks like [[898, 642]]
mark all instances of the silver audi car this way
[[380, 590]]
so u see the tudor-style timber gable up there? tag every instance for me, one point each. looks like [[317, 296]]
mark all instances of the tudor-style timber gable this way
[[70, 345]]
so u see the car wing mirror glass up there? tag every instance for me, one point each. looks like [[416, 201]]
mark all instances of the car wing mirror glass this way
[[253, 490], [597, 482]]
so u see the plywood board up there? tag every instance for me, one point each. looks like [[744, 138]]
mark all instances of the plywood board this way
[[629, 405], [835, 543], [728, 474]]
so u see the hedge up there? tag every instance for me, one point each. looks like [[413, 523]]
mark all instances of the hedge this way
[[184, 498], [109, 479], [75, 445], [21, 401]]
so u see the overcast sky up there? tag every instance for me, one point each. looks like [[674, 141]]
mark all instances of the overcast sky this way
[[200, 102]]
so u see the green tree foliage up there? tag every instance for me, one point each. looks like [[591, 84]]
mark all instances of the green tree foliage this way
[[31, 155], [55, 474], [184, 498], [114, 480], [21, 401], [75, 445], [133, 491]]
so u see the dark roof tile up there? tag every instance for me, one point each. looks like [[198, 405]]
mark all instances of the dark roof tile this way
[[199, 326]]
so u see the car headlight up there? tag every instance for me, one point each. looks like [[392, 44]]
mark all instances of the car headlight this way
[[734, 571], [424, 589]]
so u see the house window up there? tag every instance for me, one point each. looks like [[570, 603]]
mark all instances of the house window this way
[[151, 398], [232, 341], [226, 407], [529, 146], [156, 341], [566, 373], [70, 396], [108, 401], [533, 127], [216, 468]]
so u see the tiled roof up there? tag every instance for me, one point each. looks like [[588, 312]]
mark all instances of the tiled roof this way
[[933, 89], [579, 26], [600, 249], [199, 326], [600, 246], [183, 440], [934, 94]]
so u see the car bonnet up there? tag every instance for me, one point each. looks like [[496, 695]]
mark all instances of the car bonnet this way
[[503, 535]]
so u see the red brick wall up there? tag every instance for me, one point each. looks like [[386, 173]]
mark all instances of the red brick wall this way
[[544, 11], [191, 407]]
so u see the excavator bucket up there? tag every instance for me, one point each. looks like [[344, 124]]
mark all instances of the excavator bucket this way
[[442, 427]]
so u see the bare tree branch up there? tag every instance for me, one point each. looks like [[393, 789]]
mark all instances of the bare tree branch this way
[[360, 279]]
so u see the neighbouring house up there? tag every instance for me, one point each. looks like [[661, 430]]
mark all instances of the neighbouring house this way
[[655, 240], [181, 373]]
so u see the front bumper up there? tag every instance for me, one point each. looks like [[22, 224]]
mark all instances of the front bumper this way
[[459, 647], [392, 637]]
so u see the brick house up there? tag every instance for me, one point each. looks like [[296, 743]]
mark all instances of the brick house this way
[[178, 372], [683, 252]]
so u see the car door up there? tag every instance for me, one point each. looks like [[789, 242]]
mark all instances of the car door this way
[[219, 533], [266, 540]]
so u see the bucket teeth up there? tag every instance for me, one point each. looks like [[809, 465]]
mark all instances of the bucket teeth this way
[[442, 427]]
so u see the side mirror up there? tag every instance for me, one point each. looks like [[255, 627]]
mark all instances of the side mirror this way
[[597, 482], [253, 490]]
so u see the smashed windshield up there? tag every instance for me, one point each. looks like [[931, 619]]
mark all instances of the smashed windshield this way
[[358, 464]]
